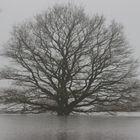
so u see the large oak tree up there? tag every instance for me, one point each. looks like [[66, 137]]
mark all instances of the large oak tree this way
[[66, 61]]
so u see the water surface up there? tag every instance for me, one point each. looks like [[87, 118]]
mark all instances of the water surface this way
[[50, 127]]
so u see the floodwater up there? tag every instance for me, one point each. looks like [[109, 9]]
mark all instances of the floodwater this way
[[51, 127]]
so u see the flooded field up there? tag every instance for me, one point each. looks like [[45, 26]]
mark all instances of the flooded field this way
[[50, 127]]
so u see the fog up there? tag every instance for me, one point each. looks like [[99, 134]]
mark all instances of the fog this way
[[13, 12]]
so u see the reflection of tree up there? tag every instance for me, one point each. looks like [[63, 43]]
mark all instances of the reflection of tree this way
[[62, 136]]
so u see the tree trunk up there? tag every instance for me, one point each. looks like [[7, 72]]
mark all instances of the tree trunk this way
[[59, 113], [63, 111]]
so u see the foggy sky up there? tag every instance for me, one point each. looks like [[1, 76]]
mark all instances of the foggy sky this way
[[125, 12]]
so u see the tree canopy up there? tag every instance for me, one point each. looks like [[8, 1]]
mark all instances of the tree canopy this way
[[67, 61]]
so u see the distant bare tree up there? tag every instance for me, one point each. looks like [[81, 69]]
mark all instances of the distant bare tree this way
[[68, 62]]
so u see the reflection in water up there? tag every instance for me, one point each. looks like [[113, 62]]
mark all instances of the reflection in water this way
[[66, 136], [48, 127]]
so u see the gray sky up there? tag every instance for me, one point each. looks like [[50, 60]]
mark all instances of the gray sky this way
[[123, 11]]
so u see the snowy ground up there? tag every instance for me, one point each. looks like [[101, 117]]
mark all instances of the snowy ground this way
[[127, 114], [133, 114], [117, 114]]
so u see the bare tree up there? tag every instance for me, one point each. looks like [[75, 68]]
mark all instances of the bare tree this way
[[67, 61]]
